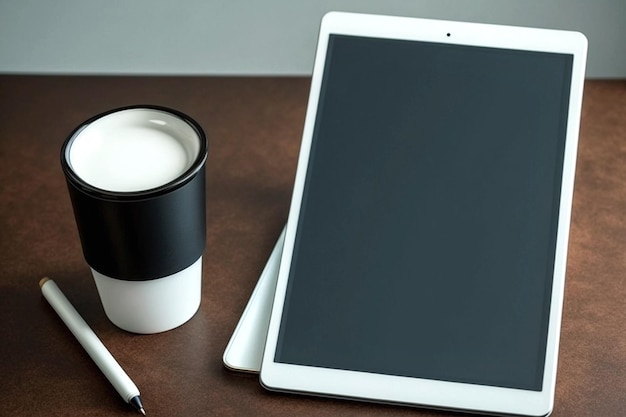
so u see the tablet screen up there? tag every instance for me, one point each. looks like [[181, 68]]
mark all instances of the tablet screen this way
[[426, 241]]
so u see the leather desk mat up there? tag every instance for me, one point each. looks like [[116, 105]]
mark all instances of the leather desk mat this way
[[254, 127]]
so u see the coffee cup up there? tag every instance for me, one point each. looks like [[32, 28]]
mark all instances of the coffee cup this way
[[136, 179]]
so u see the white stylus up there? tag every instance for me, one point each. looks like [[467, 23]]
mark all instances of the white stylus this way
[[90, 342]]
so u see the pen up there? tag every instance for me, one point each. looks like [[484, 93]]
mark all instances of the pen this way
[[90, 342]]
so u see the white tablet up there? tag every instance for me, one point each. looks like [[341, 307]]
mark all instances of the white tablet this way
[[425, 250]]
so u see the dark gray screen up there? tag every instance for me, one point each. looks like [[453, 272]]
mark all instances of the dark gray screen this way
[[426, 240]]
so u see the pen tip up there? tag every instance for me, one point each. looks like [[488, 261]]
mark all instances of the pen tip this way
[[43, 281], [137, 405]]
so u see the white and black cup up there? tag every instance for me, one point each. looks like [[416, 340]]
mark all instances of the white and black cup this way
[[136, 178]]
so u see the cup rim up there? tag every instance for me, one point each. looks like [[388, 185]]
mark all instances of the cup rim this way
[[176, 183]]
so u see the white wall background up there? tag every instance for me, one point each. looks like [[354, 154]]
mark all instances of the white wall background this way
[[254, 37]]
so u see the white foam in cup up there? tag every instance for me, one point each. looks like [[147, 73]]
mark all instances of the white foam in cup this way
[[135, 150]]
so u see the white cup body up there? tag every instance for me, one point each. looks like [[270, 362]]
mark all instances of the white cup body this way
[[151, 306]]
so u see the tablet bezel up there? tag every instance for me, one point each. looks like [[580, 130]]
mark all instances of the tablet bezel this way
[[414, 391]]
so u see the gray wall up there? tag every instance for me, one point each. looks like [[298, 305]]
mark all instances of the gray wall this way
[[256, 37]]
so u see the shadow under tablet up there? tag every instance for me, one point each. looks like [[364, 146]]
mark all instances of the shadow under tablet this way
[[244, 351]]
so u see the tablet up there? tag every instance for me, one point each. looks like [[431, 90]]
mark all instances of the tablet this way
[[426, 243]]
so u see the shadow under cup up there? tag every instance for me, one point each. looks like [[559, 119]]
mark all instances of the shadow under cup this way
[[136, 178]]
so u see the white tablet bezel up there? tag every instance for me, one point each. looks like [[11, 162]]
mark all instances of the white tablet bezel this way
[[413, 391]]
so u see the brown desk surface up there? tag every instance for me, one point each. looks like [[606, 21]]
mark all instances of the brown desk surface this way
[[254, 126]]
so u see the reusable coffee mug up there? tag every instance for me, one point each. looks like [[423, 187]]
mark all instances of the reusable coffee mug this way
[[136, 179]]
